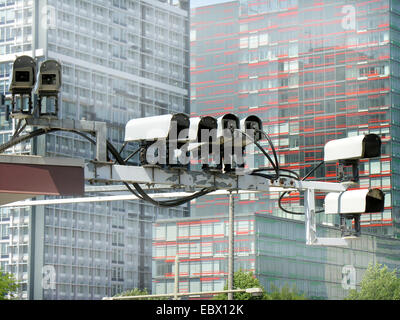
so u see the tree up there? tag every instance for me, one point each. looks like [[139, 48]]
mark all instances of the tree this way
[[285, 293], [378, 283], [243, 280], [8, 285]]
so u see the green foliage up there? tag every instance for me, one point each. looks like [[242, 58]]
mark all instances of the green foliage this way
[[245, 280], [242, 280], [137, 292], [285, 293], [378, 283], [8, 286]]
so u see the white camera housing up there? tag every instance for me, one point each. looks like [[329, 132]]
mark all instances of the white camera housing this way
[[354, 202], [156, 128], [23, 75], [353, 148], [49, 78], [199, 123]]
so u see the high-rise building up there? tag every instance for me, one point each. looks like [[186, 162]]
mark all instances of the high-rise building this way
[[271, 247], [120, 59], [313, 72]]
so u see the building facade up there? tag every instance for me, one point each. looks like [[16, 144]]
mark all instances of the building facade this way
[[120, 60], [271, 247], [313, 72]]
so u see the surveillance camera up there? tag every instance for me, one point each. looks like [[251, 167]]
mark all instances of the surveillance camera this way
[[202, 139], [49, 78], [156, 127], [160, 137], [228, 137], [23, 75], [353, 148], [197, 124], [251, 125], [354, 202], [351, 204], [226, 126]]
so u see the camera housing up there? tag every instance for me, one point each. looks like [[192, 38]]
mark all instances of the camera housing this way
[[348, 151], [150, 129], [197, 124], [23, 76], [22, 82], [227, 123], [48, 86], [250, 125], [353, 148], [49, 78], [351, 204], [354, 202], [202, 138], [228, 137], [159, 137]]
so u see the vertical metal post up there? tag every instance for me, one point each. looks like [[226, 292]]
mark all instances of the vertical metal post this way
[[310, 223], [176, 287], [231, 248], [101, 141]]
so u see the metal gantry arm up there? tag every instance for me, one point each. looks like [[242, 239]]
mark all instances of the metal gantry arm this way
[[311, 225], [181, 178], [98, 128], [191, 180]]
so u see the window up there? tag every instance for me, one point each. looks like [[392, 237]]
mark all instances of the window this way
[[263, 39], [244, 42], [375, 167]]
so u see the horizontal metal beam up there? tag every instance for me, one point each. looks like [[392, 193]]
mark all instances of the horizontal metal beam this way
[[97, 127], [39, 160], [330, 242], [173, 178], [252, 291], [109, 198], [191, 180], [117, 188]]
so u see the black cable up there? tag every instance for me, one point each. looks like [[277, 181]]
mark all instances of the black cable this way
[[131, 155], [286, 192], [272, 146], [18, 128], [296, 175], [313, 170], [20, 139], [275, 168], [144, 196], [274, 165], [123, 147], [141, 194]]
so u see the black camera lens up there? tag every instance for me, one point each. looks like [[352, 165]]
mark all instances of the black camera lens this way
[[49, 79], [22, 76]]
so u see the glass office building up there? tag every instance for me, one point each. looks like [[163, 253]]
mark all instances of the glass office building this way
[[313, 72], [273, 248], [121, 59]]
